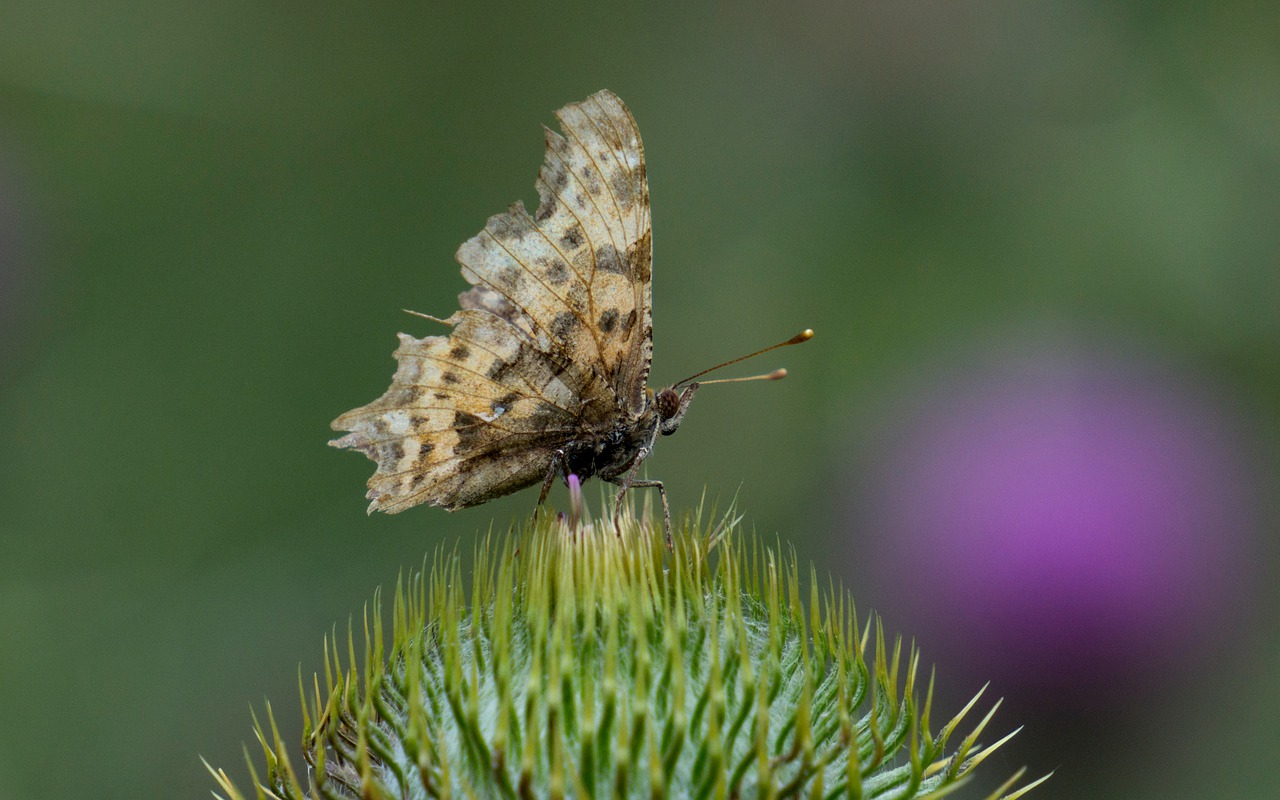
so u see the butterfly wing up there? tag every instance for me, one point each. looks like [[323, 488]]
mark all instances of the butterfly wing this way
[[554, 340], [575, 275], [470, 416]]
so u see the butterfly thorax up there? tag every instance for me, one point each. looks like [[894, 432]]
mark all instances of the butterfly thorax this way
[[613, 452]]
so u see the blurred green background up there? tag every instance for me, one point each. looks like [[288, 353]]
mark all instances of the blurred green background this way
[[211, 216]]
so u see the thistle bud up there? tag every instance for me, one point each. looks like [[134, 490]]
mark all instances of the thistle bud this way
[[598, 665]]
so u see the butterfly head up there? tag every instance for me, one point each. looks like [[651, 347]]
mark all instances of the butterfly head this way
[[671, 405]]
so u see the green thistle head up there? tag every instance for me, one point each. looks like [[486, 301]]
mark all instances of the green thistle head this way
[[588, 663]]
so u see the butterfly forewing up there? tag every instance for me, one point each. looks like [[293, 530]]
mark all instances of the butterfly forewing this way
[[577, 270]]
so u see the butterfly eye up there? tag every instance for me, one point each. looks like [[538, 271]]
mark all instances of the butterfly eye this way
[[668, 404]]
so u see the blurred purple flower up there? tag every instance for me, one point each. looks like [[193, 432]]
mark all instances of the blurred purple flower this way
[[1066, 523]]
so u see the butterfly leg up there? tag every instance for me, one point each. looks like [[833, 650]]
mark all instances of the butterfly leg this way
[[666, 508], [630, 482], [557, 464], [627, 481]]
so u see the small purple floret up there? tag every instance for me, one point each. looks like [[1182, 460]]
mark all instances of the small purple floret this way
[[575, 501]]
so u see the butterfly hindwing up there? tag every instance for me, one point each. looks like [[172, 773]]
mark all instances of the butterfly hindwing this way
[[470, 416]]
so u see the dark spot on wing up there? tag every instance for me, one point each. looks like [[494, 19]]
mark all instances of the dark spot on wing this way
[[607, 260], [546, 208], [624, 189], [556, 272], [509, 275], [424, 452], [512, 225], [573, 237], [449, 376], [528, 367], [459, 352], [394, 451], [576, 295], [608, 321], [639, 259], [562, 326], [498, 370], [591, 180], [553, 172], [501, 371], [559, 179], [441, 395], [470, 430]]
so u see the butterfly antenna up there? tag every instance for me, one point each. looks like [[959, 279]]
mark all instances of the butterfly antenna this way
[[802, 336], [776, 375]]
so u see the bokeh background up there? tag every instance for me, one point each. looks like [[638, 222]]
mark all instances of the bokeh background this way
[[1040, 243]]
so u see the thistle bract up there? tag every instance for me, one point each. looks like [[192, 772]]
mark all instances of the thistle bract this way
[[593, 662]]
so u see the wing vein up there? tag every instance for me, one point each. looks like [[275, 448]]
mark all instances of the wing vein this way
[[586, 323], [537, 393], [614, 152], [591, 247], [442, 360]]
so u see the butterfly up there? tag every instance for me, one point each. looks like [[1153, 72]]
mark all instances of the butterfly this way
[[545, 371]]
